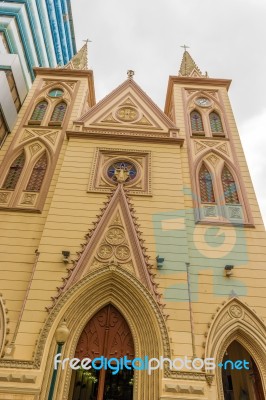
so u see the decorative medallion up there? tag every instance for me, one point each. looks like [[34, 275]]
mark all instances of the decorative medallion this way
[[115, 236], [105, 251], [236, 311], [122, 252], [127, 114], [122, 171]]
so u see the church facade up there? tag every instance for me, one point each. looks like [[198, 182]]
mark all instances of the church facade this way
[[130, 232]]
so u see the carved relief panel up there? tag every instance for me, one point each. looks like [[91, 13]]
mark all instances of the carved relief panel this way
[[112, 166]]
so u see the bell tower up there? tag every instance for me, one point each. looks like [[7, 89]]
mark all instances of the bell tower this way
[[220, 182]]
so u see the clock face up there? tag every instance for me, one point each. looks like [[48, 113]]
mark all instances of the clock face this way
[[203, 102]]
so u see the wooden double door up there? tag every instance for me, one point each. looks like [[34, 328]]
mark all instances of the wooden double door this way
[[106, 335]]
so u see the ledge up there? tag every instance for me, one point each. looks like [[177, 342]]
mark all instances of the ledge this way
[[136, 136]]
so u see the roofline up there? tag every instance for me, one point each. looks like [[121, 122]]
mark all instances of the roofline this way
[[192, 81], [130, 82]]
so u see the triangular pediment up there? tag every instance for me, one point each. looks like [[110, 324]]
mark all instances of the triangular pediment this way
[[127, 108], [115, 240]]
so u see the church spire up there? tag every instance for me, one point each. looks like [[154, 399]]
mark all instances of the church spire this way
[[189, 67], [79, 60]]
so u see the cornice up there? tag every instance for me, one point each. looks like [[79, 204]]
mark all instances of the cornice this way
[[130, 136], [62, 71]]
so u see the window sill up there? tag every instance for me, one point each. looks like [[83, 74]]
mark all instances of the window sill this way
[[32, 122], [225, 223], [198, 133], [54, 123]]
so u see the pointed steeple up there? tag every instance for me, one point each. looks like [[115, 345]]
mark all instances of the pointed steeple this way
[[80, 60], [189, 67]]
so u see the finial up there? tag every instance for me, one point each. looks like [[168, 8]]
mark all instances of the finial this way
[[130, 73], [185, 47], [86, 41]]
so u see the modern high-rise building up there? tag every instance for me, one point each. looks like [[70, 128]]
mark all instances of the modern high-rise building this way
[[129, 232], [33, 33]]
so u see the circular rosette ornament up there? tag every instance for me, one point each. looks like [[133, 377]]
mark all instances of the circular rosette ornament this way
[[122, 172]]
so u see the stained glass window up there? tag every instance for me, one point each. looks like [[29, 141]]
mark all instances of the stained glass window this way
[[59, 112], [14, 172], [39, 111], [37, 175], [206, 186], [229, 187], [216, 123], [122, 171], [196, 122]]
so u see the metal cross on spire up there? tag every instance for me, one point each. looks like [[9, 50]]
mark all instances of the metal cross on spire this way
[[185, 47], [86, 41]]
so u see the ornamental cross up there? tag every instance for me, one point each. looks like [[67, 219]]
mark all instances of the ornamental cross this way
[[185, 47]]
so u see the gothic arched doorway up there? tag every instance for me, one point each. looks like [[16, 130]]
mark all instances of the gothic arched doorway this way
[[241, 384], [107, 334]]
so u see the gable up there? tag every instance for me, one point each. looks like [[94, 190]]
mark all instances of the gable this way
[[115, 240], [127, 108]]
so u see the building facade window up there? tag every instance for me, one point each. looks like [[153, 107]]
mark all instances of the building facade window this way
[[39, 111], [13, 89], [206, 185], [216, 123], [14, 172], [37, 175], [3, 128], [59, 112], [196, 122], [229, 187]]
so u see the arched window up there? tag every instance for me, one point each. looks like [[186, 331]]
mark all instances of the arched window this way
[[206, 186], [37, 175], [59, 112], [196, 122], [216, 123], [14, 172], [39, 111], [229, 187]]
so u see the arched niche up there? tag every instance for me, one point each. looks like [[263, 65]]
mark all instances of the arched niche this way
[[236, 322]]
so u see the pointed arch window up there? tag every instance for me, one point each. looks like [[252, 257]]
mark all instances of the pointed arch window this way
[[216, 123], [59, 112], [196, 122], [14, 172], [39, 111], [229, 187], [37, 175], [206, 185]]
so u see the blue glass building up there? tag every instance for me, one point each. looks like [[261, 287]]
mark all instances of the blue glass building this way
[[33, 33]]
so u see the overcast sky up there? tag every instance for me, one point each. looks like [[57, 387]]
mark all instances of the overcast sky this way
[[226, 38]]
